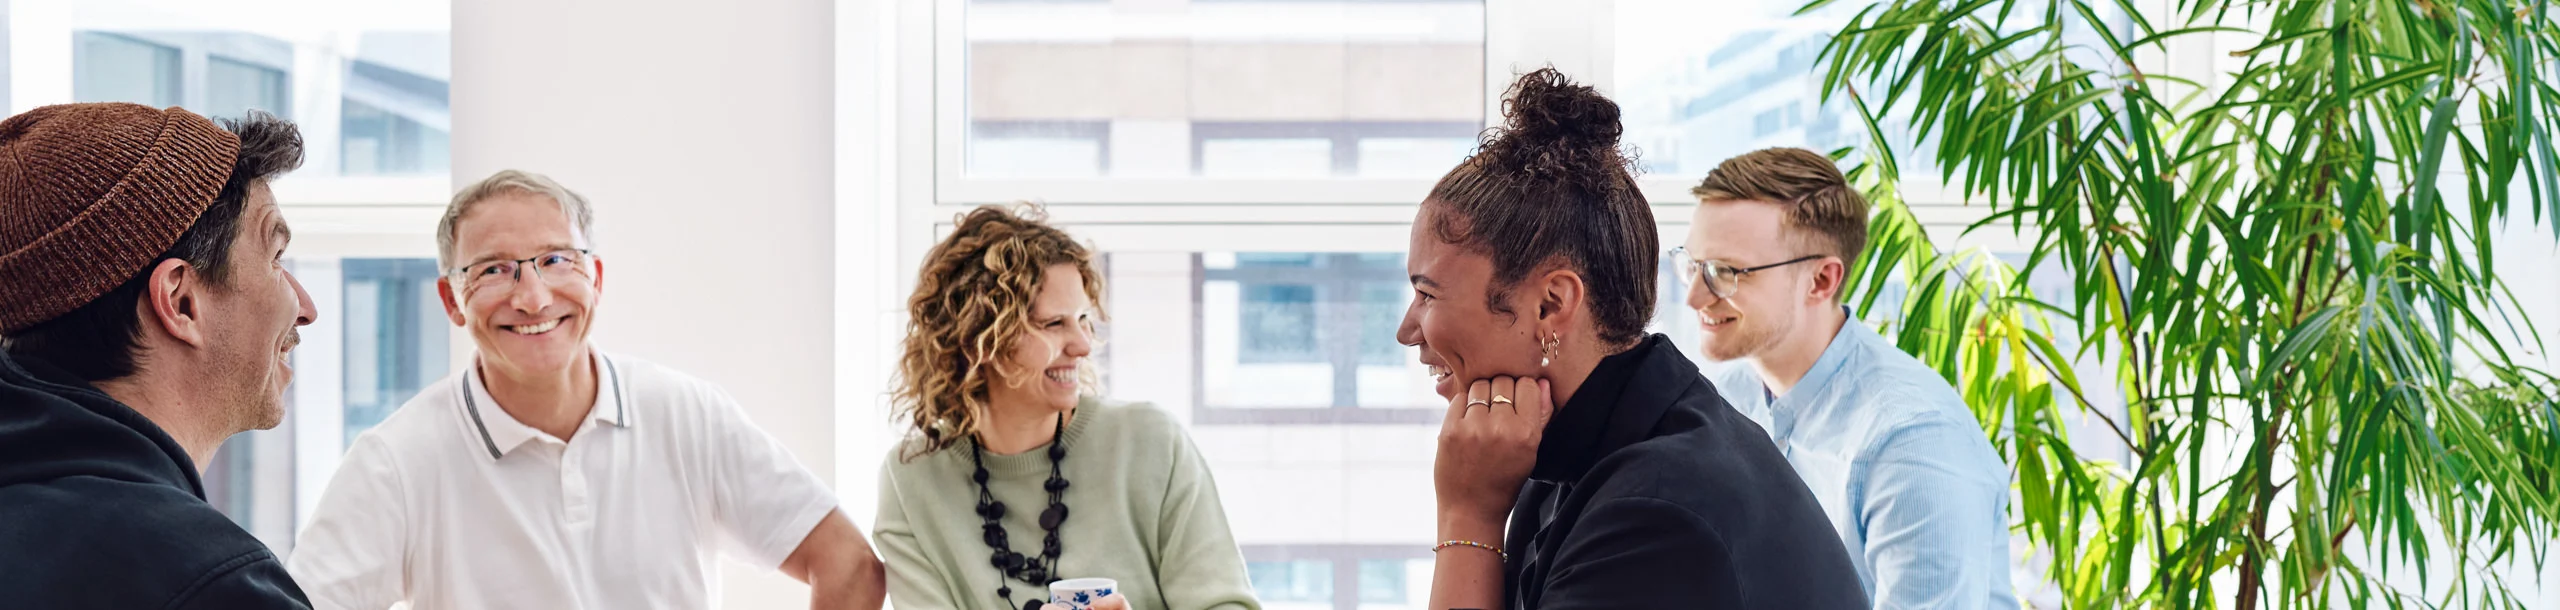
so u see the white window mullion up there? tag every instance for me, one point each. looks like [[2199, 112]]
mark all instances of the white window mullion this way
[[948, 110], [925, 154], [319, 78], [868, 183]]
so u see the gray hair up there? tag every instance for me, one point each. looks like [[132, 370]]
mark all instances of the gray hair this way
[[572, 206]]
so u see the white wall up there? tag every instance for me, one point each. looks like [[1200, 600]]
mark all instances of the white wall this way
[[705, 134]]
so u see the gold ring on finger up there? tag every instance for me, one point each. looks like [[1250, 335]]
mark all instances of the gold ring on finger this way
[[1501, 399], [1477, 402]]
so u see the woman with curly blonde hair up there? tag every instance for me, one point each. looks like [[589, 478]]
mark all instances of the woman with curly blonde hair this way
[[995, 384]]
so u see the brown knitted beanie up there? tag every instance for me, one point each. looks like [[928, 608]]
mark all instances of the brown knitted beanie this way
[[91, 194]]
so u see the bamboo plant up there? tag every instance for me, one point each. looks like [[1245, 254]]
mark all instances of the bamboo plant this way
[[2320, 383]]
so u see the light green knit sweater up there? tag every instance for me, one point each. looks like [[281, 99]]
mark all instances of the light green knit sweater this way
[[1142, 509]]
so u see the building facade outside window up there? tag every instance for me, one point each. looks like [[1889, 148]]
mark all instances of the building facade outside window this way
[[397, 336], [124, 69]]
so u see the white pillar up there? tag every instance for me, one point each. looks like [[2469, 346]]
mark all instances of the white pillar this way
[[870, 311], [705, 136]]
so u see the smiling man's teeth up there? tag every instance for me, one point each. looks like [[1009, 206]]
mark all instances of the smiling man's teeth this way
[[536, 329]]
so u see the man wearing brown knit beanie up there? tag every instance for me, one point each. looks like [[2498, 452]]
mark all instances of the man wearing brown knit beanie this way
[[146, 316]]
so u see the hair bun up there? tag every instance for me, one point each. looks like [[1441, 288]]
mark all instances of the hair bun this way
[[1545, 106]]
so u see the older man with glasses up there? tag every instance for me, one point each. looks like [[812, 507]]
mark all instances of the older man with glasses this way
[[550, 474], [1902, 467]]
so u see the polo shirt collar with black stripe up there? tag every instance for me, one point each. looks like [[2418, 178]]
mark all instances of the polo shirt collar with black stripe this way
[[501, 433]]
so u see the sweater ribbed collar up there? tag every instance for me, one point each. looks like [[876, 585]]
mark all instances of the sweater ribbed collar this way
[[1034, 464]]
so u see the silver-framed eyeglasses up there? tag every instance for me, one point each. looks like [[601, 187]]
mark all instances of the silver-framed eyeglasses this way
[[1723, 278], [557, 268]]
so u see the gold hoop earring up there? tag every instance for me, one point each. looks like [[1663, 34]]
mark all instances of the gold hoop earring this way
[[1547, 350]]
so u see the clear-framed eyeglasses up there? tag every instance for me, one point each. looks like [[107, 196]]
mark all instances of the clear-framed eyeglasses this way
[[555, 268], [1721, 278]]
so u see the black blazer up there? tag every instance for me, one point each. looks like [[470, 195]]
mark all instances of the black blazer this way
[[1651, 492]]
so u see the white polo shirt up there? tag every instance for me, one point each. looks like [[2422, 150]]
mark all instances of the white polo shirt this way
[[451, 503]]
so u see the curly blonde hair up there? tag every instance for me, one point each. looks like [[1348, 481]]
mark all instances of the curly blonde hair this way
[[972, 304]]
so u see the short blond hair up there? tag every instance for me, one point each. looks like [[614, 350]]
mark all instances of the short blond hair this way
[[572, 205], [1819, 202]]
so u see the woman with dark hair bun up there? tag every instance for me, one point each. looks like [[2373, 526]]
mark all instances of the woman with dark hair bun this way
[[1628, 482]]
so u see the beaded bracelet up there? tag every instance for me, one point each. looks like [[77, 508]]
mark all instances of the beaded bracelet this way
[[1470, 543]]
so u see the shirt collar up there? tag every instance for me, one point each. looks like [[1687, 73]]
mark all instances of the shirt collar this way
[[1784, 410], [501, 433], [1610, 410]]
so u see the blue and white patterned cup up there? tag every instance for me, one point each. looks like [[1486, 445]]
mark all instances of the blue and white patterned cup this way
[[1080, 593]]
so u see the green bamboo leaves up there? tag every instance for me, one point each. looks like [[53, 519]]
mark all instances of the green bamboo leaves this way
[[2320, 384]]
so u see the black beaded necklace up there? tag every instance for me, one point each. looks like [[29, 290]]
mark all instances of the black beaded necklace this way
[[1035, 570]]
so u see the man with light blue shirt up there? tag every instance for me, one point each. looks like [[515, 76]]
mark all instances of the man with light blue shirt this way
[[1900, 465]]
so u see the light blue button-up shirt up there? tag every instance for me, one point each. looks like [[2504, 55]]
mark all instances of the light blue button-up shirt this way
[[1905, 472]]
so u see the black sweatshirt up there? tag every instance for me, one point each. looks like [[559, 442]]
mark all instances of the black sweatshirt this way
[[1651, 492], [101, 509]]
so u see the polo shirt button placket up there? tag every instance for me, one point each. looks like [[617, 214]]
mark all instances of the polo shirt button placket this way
[[573, 488]]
